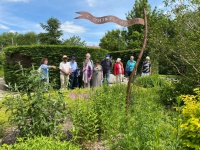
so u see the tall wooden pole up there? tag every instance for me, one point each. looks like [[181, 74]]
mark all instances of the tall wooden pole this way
[[128, 91]]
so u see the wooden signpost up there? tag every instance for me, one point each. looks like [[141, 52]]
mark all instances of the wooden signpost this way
[[124, 23]]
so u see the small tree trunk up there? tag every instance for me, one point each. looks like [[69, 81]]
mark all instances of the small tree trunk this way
[[128, 91]]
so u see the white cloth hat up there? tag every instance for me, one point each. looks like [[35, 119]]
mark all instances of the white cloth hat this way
[[118, 59], [148, 57]]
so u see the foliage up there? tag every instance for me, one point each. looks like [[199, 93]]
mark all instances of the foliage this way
[[1, 71], [52, 34], [113, 41], [150, 81], [29, 38], [42, 143], [10, 38], [166, 89], [75, 41], [6, 38], [3, 121], [35, 110], [85, 121], [190, 120], [134, 33], [147, 126], [31, 55], [181, 38]]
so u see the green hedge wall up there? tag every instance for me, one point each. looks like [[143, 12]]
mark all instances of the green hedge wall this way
[[31, 55], [125, 56]]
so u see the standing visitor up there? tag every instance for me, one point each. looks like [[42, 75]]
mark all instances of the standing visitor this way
[[118, 70], [146, 67], [130, 65], [87, 74], [97, 74], [44, 69], [73, 78], [65, 70], [106, 65], [90, 63]]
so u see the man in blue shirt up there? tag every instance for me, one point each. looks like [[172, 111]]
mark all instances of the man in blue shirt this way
[[73, 78]]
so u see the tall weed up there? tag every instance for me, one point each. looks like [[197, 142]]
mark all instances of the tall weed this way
[[35, 110]]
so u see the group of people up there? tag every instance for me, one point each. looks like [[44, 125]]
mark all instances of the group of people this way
[[93, 74]]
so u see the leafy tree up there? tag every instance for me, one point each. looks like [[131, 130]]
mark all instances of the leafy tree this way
[[28, 38], [113, 41], [135, 34], [53, 32], [185, 43], [8, 38], [75, 41]]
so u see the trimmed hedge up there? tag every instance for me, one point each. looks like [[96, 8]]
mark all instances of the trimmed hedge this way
[[31, 55], [125, 56]]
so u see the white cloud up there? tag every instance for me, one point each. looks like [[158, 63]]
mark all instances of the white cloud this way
[[3, 27], [14, 0], [70, 27], [91, 2]]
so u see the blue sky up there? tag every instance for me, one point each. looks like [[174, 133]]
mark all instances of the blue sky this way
[[25, 15]]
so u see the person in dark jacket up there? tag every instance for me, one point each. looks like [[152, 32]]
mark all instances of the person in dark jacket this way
[[106, 65]]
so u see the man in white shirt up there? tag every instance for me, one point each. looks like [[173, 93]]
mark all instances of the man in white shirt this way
[[65, 70]]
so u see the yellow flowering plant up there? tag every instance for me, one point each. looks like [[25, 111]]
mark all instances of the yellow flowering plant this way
[[191, 120]]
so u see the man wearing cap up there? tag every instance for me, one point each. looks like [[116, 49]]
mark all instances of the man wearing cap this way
[[73, 78], [106, 65], [146, 67], [65, 70]]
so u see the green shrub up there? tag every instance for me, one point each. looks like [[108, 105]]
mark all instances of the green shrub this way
[[150, 81], [31, 55], [2, 59], [96, 117], [1, 71], [148, 125], [3, 121], [40, 143], [85, 122], [190, 120], [36, 110], [174, 87]]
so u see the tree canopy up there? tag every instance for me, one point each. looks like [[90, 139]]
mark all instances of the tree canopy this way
[[113, 41], [75, 41], [52, 32]]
